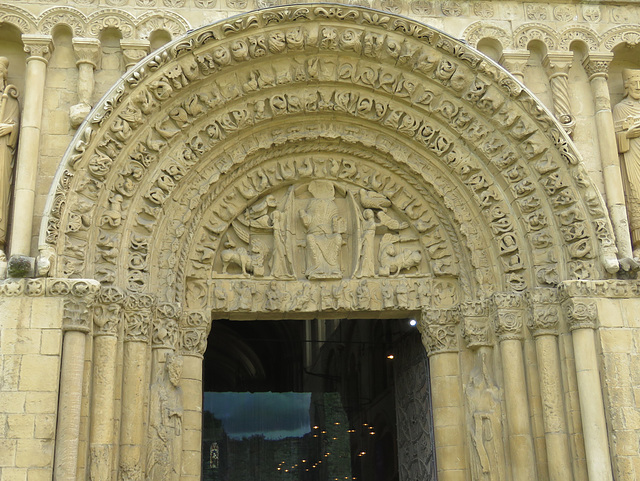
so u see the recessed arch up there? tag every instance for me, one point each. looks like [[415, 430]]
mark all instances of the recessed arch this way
[[498, 180]]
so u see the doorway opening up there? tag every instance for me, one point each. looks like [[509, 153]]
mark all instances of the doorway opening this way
[[316, 400]]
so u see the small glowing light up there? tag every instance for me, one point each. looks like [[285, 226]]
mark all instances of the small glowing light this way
[[315, 427], [337, 424], [413, 322], [390, 356], [372, 432]]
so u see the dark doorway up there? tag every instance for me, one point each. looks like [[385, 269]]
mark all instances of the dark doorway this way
[[316, 400]]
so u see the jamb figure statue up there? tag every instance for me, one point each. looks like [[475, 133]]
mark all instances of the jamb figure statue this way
[[626, 116], [9, 126]]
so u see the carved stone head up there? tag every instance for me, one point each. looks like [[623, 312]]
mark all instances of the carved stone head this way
[[4, 71], [174, 368], [631, 78]]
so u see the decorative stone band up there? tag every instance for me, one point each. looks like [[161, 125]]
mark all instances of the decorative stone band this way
[[38, 46], [581, 314], [164, 333], [439, 330], [509, 310], [610, 288], [546, 312], [107, 311], [194, 330], [475, 323], [137, 317]]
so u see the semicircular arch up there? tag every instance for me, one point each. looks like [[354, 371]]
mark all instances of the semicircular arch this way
[[242, 117]]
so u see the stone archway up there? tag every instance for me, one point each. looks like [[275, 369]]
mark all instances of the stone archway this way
[[315, 160]]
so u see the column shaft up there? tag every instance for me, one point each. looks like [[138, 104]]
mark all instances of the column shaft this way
[[523, 464], [69, 406], [609, 154], [594, 425], [192, 420], [555, 424], [29, 148]]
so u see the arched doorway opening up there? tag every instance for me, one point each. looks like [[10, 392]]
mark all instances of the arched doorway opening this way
[[316, 400]]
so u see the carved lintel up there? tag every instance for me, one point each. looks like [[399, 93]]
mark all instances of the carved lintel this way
[[87, 50], [475, 323], [107, 311], [597, 65], [134, 51], [137, 317], [581, 314], [39, 47], [165, 326], [194, 330], [439, 330], [510, 310]]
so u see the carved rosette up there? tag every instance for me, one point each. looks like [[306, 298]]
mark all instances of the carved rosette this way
[[475, 324], [194, 329], [39, 47], [439, 330], [107, 311], [510, 310], [581, 314], [546, 312], [137, 317], [164, 332]]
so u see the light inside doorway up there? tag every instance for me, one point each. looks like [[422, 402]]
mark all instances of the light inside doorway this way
[[310, 400]]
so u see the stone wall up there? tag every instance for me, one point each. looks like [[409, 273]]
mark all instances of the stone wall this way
[[30, 350]]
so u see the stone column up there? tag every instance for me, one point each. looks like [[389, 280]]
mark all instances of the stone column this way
[[76, 323], [134, 51], [137, 321], [106, 319], [194, 330], [510, 311], [597, 67], [557, 65], [515, 61], [39, 48], [544, 327], [439, 329], [582, 316], [483, 397], [87, 51]]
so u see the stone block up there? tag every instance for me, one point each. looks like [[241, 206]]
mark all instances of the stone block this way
[[39, 373], [610, 314], [13, 474], [20, 341], [20, 426], [616, 340], [626, 443], [46, 313], [12, 401], [45, 426], [34, 453], [39, 474], [10, 376], [13, 313], [631, 312], [7, 452], [51, 342], [41, 402], [447, 455], [445, 391]]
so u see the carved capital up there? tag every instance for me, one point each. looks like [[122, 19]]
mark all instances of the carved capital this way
[[439, 330], [546, 312], [194, 330], [39, 47], [76, 315], [134, 50], [515, 61], [87, 50], [558, 63], [597, 65], [137, 317], [165, 326], [475, 323], [510, 310], [107, 311], [581, 314]]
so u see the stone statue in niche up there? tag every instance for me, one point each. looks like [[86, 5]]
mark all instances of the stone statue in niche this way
[[9, 125], [281, 261], [165, 423], [394, 260], [483, 401], [325, 229], [366, 259], [626, 115]]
